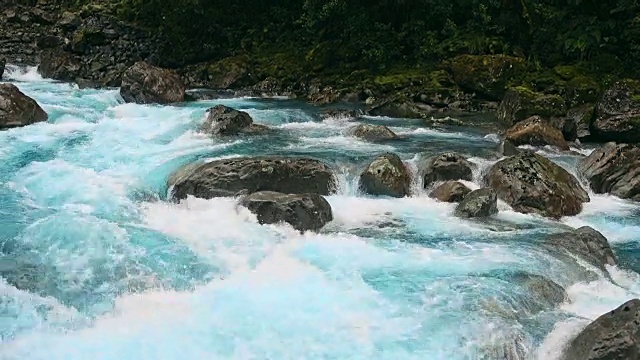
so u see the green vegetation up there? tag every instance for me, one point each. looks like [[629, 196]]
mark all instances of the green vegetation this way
[[392, 42]]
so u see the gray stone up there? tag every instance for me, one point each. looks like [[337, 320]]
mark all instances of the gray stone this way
[[478, 203], [143, 83], [17, 109], [447, 166], [387, 175], [614, 169]]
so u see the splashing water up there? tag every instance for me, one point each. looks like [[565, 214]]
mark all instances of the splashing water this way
[[98, 265]]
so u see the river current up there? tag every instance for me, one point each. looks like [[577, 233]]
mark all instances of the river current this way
[[112, 270]]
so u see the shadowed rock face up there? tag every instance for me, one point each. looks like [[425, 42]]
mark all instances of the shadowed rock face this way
[[537, 132], [447, 166], [143, 83], [17, 109], [530, 183], [387, 176], [478, 203], [230, 176], [450, 191], [3, 63], [302, 211], [223, 120], [372, 132], [614, 335], [614, 169], [617, 114]]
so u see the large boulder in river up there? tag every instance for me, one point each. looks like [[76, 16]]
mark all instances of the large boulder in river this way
[[531, 183], [617, 114], [372, 132], [478, 203], [447, 166], [614, 169], [59, 65], [614, 335], [450, 191], [231, 176], [520, 103], [302, 211], [586, 243], [17, 109], [223, 120], [387, 175], [537, 132], [3, 63], [143, 83]]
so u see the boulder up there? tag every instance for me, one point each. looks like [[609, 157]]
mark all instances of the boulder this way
[[537, 132], [17, 109], [614, 335], [3, 63], [397, 109], [507, 148], [302, 211], [447, 166], [541, 292], [229, 72], [531, 183], [450, 191], [617, 114], [230, 176], [223, 120], [341, 114], [372, 132], [86, 38], [143, 83], [520, 103], [579, 118], [59, 65], [478, 203], [587, 243], [614, 169], [387, 175], [486, 75]]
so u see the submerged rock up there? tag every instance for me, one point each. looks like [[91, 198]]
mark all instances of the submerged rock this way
[[587, 243], [614, 169], [230, 176], [478, 203], [387, 175], [143, 83], [617, 115], [545, 293], [302, 211], [614, 335], [447, 166], [531, 183], [450, 191], [17, 109], [223, 120], [372, 132], [537, 132]]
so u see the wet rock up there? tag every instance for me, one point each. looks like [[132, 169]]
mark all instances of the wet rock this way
[[17, 109], [387, 175], [223, 120], [280, 174], [614, 335], [59, 65], [617, 114], [302, 211], [3, 63], [537, 132], [396, 109], [543, 291], [341, 114], [478, 203], [450, 191], [487, 75], [143, 83], [586, 243], [531, 183], [520, 103], [579, 118], [507, 148], [613, 169], [447, 166], [372, 132]]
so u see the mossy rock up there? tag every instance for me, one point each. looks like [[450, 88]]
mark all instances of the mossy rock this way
[[521, 102], [230, 72], [487, 75]]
